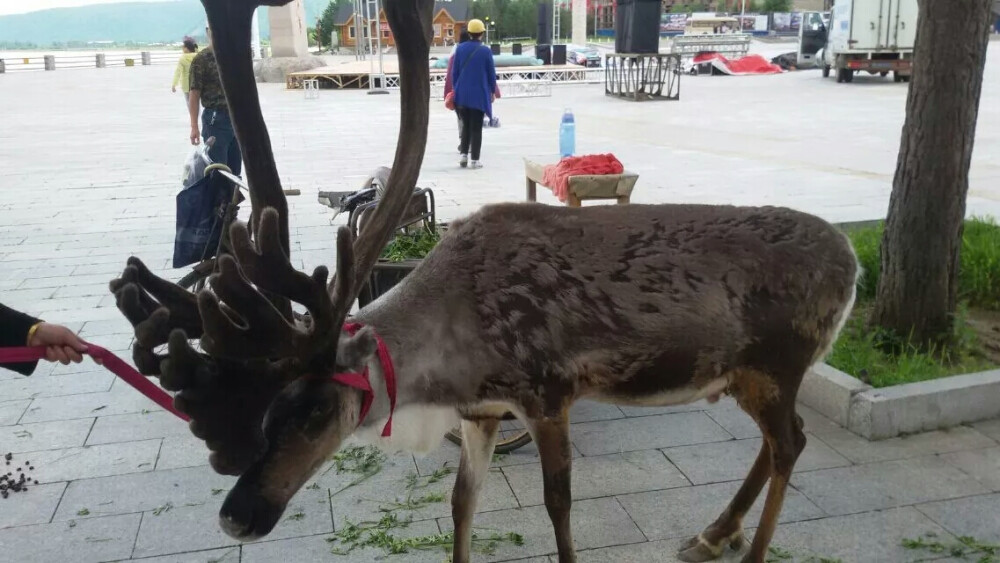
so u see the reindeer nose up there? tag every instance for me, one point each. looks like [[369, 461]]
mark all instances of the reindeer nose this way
[[248, 516]]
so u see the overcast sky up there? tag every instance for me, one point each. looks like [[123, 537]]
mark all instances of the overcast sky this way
[[22, 6]]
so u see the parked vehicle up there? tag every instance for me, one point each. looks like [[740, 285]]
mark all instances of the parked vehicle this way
[[583, 56], [874, 36]]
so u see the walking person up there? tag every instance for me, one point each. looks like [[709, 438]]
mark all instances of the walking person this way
[[206, 88], [182, 74], [473, 76], [18, 329], [449, 88]]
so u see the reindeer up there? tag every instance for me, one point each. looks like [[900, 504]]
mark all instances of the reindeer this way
[[523, 307]]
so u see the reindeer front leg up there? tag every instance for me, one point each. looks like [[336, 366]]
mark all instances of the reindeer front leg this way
[[479, 437], [552, 437]]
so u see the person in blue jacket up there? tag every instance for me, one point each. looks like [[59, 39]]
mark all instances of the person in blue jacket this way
[[474, 78]]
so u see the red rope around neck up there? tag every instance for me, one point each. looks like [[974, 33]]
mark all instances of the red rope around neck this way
[[362, 380]]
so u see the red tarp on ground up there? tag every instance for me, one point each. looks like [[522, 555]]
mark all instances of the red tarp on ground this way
[[750, 64]]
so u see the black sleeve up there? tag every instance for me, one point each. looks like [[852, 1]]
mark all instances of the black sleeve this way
[[14, 327]]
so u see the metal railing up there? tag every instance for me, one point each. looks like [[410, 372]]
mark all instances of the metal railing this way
[[95, 60]]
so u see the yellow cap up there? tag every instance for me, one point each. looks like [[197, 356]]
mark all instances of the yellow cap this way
[[476, 26]]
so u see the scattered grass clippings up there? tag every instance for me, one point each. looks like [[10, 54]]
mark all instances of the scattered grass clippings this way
[[83, 512], [216, 492], [313, 487], [413, 503], [966, 548], [298, 515], [22, 434], [162, 509], [497, 458], [379, 534], [92, 539], [365, 461], [72, 523]]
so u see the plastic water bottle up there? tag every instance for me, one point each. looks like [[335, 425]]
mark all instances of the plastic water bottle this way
[[567, 134]]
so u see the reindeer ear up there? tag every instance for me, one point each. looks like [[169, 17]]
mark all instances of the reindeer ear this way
[[353, 352]]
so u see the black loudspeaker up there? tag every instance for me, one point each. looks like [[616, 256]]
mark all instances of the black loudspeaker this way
[[544, 23], [515, 49], [495, 47], [545, 53], [558, 54], [637, 26]]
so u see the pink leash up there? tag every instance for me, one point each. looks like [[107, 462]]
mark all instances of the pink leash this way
[[129, 375], [113, 363]]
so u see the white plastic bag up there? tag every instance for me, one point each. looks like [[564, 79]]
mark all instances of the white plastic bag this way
[[197, 161]]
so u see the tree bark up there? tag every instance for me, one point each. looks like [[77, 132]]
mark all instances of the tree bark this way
[[918, 282]]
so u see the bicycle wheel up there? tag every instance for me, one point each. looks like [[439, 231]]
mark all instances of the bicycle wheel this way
[[513, 435]]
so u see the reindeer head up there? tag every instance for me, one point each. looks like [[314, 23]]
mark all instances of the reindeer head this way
[[260, 393]]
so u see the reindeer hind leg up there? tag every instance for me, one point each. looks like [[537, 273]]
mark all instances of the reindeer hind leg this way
[[770, 401], [782, 429], [728, 527], [478, 440]]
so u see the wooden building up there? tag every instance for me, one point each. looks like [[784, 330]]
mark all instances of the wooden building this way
[[450, 18]]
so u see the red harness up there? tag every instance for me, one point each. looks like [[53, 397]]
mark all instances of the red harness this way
[[363, 382], [129, 375]]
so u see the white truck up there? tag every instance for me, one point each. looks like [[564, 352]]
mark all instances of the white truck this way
[[874, 36]]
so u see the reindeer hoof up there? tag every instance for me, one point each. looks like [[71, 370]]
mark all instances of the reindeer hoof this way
[[697, 551]]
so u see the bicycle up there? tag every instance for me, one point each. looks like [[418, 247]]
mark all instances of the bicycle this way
[[196, 279]]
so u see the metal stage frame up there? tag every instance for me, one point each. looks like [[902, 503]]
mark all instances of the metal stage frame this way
[[642, 77], [508, 89], [728, 44], [334, 77]]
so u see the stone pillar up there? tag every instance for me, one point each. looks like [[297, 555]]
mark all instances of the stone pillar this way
[[288, 30], [50, 62], [146, 58], [102, 60], [579, 22]]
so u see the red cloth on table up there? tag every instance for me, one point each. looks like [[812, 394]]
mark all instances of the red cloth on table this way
[[556, 176]]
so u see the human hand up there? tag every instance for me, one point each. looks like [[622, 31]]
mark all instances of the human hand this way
[[195, 136], [62, 345]]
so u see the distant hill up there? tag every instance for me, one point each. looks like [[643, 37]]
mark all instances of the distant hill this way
[[140, 22]]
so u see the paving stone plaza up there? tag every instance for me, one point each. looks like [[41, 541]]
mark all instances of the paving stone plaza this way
[[90, 162]]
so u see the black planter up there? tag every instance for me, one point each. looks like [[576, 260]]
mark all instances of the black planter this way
[[385, 275]]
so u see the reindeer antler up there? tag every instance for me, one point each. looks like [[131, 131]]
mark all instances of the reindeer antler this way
[[254, 348]]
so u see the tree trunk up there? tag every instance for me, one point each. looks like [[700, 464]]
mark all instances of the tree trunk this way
[[922, 242]]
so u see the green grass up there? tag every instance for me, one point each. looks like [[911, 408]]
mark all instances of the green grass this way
[[979, 272], [862, 353], [883, 359]]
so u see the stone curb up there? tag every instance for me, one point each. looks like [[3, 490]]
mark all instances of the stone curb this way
[[901, 409]]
